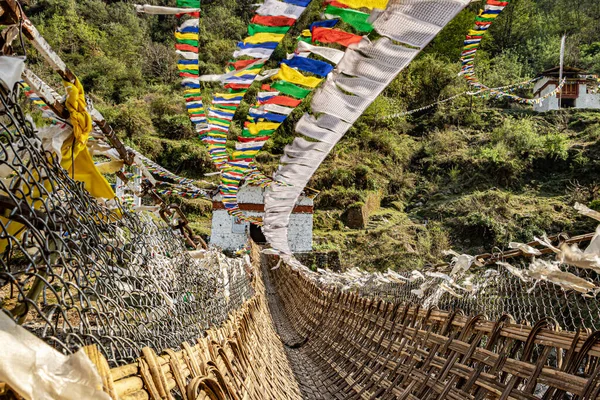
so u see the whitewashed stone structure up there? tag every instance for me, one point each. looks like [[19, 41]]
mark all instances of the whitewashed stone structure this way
[[229, 233], [580, 90]]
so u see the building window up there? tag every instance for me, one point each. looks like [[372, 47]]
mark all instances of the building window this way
[[569, 91]]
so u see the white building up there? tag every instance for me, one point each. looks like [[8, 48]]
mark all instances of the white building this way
[[580, 90], [230, 233]]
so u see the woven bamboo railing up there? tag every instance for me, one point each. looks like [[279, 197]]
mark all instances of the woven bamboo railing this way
[[376, 349]]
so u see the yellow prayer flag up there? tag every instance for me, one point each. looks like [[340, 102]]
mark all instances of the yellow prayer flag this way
[[228, 95], [254, 71], [186, 36], [291, 75], [75, 156], [370, 4], [264, 37], [254, 129]]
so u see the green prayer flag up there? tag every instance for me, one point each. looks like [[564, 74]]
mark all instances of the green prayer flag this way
[[356, 19], [225, 107], [255, 28], [188, 3], [290, 89], [246, 133], [193, 43]]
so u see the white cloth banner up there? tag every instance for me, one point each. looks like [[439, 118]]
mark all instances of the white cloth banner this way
[[328, 53], [276, 109], [188, 55], [266, 95], [190, 23], [416, 22], [157, 10], [365, 70], [11, 69], [278, 8], [254, 53], [249, 145]]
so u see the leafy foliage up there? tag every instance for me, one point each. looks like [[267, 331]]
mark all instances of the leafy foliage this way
[[468, 174]]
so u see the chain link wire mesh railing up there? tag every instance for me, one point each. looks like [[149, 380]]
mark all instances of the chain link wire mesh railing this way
[[495, 291], [75, 271]]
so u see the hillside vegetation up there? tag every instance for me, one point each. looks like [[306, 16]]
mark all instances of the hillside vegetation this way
[[470, 174]]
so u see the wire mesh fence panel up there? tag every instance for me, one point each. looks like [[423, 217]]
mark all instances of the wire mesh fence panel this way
[[78, 271], [496, 292]]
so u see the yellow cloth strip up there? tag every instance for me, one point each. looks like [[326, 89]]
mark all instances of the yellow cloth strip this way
[[191, 91], [254, 129], [76, 158], [187, 36], [228, 95], [370, 4], [187, 66], [264, 37], [248, 72], [291, 75], [473, 32], [306, 33], [223, 124]]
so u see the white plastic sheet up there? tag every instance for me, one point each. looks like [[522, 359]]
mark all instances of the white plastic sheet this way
[[38, 372], [11, 69]]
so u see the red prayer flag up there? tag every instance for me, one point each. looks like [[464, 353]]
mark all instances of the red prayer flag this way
[[328, 35], [337, 4], [186, 47], [252, 139], [236, 86], [194, 14], [272, 21], [282, 101], [242, 63]]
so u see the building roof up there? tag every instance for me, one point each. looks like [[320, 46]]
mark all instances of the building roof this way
[[568, 72]]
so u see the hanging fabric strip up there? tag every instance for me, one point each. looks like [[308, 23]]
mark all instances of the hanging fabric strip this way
[[291, 75], [370, 4], [289, 89], [356, 19], [316, 67], [327, 35], [279, 9], [328, 53], [362, 74], [149, 9]]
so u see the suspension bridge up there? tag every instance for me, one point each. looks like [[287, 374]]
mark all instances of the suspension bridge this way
[[105, 301]]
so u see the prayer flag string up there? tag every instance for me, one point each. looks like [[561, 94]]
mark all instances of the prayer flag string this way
[[296, 78], [483, 21]]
